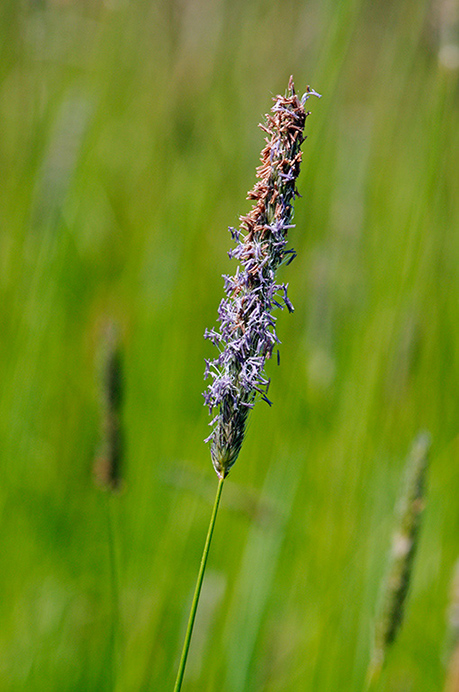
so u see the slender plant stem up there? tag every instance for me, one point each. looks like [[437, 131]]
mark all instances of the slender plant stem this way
[[197, 591], [114, 629]]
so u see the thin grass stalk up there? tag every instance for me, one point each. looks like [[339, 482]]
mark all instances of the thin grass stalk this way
[[114, 589], [197, 591]]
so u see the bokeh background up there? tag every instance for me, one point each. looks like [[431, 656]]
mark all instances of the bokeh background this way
[[128, 142]]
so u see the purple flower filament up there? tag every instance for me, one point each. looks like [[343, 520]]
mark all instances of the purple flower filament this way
[[247, 333]]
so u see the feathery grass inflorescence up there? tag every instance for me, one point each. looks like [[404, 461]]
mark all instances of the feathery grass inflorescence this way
[[404, 545], [247, 333], [108, 462]]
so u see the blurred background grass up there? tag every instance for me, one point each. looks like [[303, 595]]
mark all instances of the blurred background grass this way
[[128, 142]]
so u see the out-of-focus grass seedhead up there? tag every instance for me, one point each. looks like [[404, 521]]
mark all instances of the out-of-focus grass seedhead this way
[[404, 545], [108, 463]]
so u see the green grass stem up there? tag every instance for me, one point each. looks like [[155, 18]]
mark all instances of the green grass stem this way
[[114, 588], [197, 591]]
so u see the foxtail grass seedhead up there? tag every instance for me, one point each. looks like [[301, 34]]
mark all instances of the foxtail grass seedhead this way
[[404, 545], [107, 465], [247, 333]]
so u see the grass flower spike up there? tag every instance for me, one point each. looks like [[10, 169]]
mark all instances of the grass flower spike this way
[[247, 333]]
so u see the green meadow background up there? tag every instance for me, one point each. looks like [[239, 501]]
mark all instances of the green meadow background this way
[[128, 141]]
